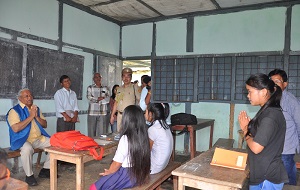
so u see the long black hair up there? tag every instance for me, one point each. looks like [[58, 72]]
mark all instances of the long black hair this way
[[261, 81], [135, 128], [113, 95], [160, 112]]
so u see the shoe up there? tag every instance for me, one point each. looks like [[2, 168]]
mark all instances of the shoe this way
[[44, 173], [31, 181]]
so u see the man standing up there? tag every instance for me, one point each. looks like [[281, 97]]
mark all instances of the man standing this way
[[66, 106], [26, 130], [291, 110], [98, 97], [127, 94]]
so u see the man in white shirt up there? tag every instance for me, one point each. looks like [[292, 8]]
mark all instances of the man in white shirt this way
[[66, 106]]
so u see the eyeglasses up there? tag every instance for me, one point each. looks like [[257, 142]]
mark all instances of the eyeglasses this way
[[7, 176]]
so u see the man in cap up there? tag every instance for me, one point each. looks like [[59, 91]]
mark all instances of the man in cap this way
[[127, 94]]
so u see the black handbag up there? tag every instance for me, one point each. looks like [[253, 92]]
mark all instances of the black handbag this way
[[183, 119]]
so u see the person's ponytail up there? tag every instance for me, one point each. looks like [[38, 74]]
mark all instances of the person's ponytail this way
[[262, 81]]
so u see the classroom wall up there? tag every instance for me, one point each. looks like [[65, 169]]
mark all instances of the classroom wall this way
[[36, 17], [246, 31], [83, 29], [295, 29], [137, 40], [171, 37], [40, 18]]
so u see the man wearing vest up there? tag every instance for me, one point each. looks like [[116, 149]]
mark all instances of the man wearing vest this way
[[26, 130]]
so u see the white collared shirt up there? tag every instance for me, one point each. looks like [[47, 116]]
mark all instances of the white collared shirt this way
[[65, 100], [144, 93]]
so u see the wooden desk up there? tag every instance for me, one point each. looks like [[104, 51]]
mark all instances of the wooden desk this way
[[16, 184], [201, 123], [198, 173], [75, 157]]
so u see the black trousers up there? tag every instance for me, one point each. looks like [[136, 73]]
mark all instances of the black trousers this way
[[62, 125]]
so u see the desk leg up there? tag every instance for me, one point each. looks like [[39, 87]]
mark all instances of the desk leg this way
[[241, 139], [180, 184], [175, 182], [187, 138], [192, 143], [53, 172], [79, 174], [174, 143], [211, 135]]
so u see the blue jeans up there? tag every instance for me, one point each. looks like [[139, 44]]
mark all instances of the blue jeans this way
[[114, 127], [266, 185], [290, 167]]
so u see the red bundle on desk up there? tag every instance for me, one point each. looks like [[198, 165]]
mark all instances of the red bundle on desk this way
[[74, 140]]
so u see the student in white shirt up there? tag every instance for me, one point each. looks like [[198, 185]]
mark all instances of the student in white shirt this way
[[160, 136], [131, 164]]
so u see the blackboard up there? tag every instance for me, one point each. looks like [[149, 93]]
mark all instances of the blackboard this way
[[44, 68], [11, 63]]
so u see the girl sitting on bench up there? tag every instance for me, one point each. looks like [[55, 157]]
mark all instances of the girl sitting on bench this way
[[131, 164], [160, 136]]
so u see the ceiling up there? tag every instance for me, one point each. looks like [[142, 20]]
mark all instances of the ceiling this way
[[138, 64], [128, 11]]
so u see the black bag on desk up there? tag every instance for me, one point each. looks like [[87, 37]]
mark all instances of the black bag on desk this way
[[183, 119]]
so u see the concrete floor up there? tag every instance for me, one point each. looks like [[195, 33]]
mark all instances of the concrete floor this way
[[66, 181]]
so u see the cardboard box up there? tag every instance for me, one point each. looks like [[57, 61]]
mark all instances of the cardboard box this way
[[229, 159]]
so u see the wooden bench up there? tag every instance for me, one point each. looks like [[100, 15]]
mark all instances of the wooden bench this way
[[224, 143], [157, 179], [291, 187], [16, 184], [15, 154]]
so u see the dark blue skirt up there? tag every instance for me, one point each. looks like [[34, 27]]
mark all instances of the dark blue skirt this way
[[116, 181]]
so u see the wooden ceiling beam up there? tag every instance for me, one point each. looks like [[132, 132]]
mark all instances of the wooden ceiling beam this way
[[105, 3], [150, 7], [216, 4]]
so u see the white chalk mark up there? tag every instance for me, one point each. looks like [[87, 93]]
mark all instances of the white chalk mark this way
[[45, 85]]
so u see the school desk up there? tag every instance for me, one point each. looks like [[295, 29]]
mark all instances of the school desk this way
[[201, 124], [75, 157], [199, 174]]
